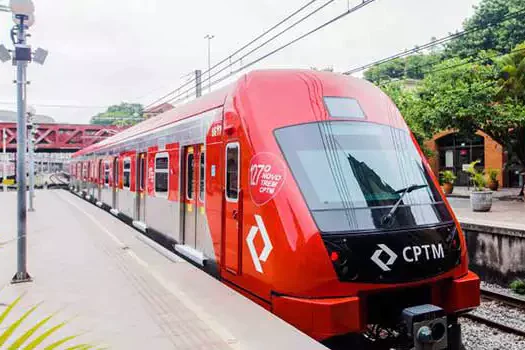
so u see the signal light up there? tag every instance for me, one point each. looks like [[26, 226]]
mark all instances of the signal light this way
[[334, 256]]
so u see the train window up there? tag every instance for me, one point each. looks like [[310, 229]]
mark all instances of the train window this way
[[161, 174], [352, 174], [115, 173], [100, 171], [202, 177], [343, 107], [232, 172], [127, 173], [142, 166], [106, 173], [190, 168]]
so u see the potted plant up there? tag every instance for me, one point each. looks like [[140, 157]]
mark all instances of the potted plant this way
[[480, 198], [448, 178], [493, 179]]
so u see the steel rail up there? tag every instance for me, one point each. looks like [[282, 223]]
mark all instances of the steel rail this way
[[503, 298], [493, 324]]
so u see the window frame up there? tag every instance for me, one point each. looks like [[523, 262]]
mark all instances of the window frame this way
[[116, 171], [107, 171], [141, 169], [329, 110], [164, 171], [229, 146], [188, 198], [202, 177], [128, 160]]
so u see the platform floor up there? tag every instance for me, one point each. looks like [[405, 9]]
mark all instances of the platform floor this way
[[503, 214], [115, 290]]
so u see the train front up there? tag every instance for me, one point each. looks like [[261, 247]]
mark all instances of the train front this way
[[370, 238]]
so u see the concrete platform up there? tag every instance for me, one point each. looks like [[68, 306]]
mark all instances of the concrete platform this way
[[503, 214], [117, 291]]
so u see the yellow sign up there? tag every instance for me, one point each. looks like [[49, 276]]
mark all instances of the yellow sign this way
[[9, 182]]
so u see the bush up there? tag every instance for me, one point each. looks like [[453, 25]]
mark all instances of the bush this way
[[477, 176], [518, 286], [493, 174], [448, 177]]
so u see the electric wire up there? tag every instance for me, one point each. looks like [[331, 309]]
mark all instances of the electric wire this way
[[479, 59], [309, 3], [436, 42], [340, 16]]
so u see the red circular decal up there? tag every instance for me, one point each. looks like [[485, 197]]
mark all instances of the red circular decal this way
[[267, 175]]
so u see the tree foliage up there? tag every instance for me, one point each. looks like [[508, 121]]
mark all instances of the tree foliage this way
[[411, 67], [470, 96], [499, 34], [125, 114]]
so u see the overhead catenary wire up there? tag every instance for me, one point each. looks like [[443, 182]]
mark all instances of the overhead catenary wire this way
[[479, 59], [436, 42], [280, 48], [245, 46]]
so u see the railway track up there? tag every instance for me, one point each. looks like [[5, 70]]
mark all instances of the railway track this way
[[503, 298], [506, 299]]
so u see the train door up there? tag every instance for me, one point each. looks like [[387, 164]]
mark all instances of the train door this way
[[140, 213], [115, 182], [233, 208], [189, 196]]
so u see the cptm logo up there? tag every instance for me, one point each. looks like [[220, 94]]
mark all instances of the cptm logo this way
[[268, 247]]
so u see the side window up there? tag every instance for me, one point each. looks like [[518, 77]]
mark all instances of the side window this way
[[142, 166], [161, 174], [127, 173], [106, 173], [202, 177], [232, 171], [190, 160], [100, 170], [115, 173]]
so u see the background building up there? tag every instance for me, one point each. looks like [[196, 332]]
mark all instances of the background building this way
[[454, 151]]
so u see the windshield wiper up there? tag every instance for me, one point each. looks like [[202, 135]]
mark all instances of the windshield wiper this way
[[386, 219]]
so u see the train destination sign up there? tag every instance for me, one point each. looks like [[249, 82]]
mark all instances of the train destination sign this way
[[267, 176]]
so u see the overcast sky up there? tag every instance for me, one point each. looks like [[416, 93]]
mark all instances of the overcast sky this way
[[103, 52]]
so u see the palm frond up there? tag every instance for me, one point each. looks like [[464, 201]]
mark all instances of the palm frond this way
[[37, 342], [11, 329], [18, 343]]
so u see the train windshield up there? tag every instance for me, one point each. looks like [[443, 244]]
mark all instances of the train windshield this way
[[358, 176]]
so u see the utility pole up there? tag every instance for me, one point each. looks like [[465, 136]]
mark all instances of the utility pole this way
[[23, 16], [209, 37], [30, 146], [21, 67]]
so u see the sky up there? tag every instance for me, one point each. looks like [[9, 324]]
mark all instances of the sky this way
[[105, 52]]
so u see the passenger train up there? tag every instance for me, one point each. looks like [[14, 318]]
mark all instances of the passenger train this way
[[306, 192]]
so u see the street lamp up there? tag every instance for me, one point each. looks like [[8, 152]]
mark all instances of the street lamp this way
[[23, 16], [209, 37], [22, 7]]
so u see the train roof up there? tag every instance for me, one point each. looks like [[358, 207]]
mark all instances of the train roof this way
[[218, 97]]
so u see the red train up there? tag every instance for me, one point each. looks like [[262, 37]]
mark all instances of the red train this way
[[306, 192]]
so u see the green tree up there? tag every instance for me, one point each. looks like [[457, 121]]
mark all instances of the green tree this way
[[125, 114], [411, 67], [512, 76], [499, 37], [467, 96]]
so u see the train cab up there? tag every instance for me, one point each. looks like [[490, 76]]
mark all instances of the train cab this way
[[307, 193]]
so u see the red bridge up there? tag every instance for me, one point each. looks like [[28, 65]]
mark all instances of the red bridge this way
[[61, 137]]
